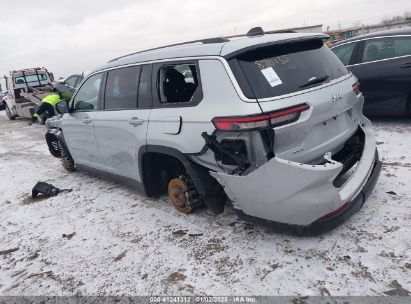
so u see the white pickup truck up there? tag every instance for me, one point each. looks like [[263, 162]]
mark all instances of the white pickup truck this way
[[27, 88]]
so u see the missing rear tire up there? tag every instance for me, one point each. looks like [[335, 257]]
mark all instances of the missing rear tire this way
[[183, 194]]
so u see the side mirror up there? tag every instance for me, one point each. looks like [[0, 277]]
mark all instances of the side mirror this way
[[62, 107]]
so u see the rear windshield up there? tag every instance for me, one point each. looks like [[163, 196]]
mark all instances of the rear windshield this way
[[31, 78], [283, 69]]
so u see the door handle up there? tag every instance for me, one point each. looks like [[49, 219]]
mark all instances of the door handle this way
[[135, 121], [87, 120], [406, 65]]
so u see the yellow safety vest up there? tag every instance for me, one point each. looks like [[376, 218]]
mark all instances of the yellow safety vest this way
[[51, 99]]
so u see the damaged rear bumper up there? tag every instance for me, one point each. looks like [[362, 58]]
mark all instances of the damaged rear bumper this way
[[301, 197]]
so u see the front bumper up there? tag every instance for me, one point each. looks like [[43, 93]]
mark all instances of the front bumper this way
[[296, 196]]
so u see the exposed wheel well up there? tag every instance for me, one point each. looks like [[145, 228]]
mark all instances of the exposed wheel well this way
[[160, 164], [158, 169]]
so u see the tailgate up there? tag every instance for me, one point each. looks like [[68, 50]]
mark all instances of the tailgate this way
[[302, 72]]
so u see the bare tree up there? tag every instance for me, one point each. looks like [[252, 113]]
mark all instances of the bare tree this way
[[394, 19], [356, 24]]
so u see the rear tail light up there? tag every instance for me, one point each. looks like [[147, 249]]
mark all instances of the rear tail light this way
[[356, 88], [277, 118]]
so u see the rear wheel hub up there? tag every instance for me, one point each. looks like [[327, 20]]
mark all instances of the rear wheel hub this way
[[177, 189]]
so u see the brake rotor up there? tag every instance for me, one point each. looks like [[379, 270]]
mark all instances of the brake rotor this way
[[177, 189]]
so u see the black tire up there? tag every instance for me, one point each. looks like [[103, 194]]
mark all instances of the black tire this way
[[8, 112], [67, 161]]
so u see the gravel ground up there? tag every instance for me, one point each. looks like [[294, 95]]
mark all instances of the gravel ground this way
[[106, 239]]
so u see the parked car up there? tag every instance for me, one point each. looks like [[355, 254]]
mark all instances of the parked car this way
[[273, 122], [67, 86], [382, 63]]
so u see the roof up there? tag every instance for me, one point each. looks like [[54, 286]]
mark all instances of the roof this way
[[393, 32], [199, 49]]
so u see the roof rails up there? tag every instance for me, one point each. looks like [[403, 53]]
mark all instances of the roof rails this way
[[281, 32], [258, 31], [204, 41]]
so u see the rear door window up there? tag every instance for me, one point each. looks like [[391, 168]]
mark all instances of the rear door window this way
[[385, 48], [286, 68], [121, 88], [344, 52]]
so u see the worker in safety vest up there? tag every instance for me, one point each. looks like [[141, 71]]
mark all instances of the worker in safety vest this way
[[47, 105]]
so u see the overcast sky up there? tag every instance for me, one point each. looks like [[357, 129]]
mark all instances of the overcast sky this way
[[70, 36]]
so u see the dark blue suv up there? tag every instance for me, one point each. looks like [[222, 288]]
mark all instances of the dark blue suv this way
[[382, 63]]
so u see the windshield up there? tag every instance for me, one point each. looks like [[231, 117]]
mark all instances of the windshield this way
[[30, 78], [287, 68]]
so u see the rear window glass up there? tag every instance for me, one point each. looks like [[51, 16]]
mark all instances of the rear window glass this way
[[283, 69], [30, 78]]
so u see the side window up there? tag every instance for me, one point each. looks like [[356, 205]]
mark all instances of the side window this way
[[402, 46], [87, 96], [384, 48], [178, 83], [144, 89], [121, 88], [344, 52], [71, 81]]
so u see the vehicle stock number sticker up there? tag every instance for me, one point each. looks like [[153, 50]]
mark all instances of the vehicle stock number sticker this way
[[271, 76]]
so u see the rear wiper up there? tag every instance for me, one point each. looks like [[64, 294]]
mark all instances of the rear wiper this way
[[314, 80]]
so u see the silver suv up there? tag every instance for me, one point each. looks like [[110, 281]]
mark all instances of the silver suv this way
[[272, 122]]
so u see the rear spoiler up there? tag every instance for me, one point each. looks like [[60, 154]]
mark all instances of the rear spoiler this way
[[272, 43]]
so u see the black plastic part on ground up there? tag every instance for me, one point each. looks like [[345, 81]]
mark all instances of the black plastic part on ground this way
[[322, 225]]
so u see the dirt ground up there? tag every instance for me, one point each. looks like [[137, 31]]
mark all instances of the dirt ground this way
[[106, 239]]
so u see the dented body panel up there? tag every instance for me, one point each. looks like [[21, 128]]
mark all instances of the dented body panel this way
[[295, 193]]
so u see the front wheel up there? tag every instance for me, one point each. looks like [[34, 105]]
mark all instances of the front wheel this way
[[67, 161], [9, 115]]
